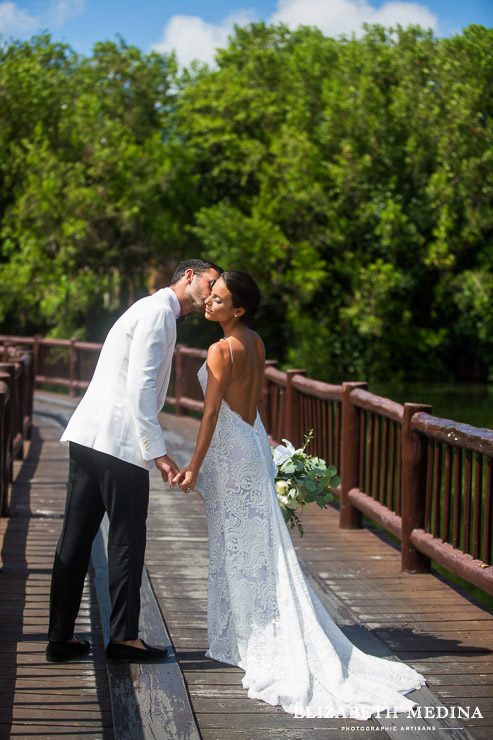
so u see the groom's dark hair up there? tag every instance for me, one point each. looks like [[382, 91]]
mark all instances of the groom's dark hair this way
[[198, 266]]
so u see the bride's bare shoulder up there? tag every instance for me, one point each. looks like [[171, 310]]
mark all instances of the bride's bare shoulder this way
[[218, 352], [218, 348]]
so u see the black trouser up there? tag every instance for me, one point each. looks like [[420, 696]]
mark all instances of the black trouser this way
[[97, 483]]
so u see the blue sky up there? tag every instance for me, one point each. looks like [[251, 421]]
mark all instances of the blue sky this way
[[193, 29]]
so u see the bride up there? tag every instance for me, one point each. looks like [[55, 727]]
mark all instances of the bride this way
[[262, 614]]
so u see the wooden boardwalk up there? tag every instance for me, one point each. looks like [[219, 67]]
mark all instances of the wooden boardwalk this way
[[420, 619], [40, 699]]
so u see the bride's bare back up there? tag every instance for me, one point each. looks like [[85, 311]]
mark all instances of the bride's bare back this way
[[244, 390]]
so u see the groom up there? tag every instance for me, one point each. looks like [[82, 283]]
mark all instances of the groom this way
[[114, 439]]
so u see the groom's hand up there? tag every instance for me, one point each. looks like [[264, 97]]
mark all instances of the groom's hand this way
[[186, 479], [167, 467]]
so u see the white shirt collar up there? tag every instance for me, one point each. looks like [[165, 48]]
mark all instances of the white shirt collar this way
[[175, 303]]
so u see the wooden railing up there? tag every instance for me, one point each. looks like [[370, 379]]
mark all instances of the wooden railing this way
[[16, 405], [426, 480], [455, 471], [385, 452], [65, 363]]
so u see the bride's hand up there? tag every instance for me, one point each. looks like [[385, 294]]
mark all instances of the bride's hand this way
[[186, 479]]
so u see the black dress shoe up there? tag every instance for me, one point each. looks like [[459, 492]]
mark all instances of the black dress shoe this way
[[59, 651], [129, 654]]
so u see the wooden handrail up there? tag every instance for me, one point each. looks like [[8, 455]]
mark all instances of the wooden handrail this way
[[452, 433], [377, 404], [275, 376], [317, 388]]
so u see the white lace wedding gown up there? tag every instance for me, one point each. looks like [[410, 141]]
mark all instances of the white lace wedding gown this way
[[263, 616]]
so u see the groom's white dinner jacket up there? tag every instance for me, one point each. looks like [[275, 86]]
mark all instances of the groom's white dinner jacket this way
[[119, 411]]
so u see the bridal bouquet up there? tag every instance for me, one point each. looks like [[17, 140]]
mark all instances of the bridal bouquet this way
[[301, 479]]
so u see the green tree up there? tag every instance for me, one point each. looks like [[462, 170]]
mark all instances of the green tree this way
[[341, 173], [352, 177], [87, 204]]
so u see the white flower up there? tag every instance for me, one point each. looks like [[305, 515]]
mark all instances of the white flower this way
[[282, 487], [282, 453]]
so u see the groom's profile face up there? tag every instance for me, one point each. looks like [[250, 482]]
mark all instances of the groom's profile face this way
[[201, 288]]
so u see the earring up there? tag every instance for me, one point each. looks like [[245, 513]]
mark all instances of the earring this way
[[236, 316]]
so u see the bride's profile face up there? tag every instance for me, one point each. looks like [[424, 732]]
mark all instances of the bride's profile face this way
[[219, 305]]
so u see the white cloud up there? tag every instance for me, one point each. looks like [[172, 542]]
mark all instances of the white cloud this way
[[193, 38], [14, 20], [60, 11], [346, 16]]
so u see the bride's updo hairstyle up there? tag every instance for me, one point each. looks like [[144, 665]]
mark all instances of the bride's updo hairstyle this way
[[244, 292]]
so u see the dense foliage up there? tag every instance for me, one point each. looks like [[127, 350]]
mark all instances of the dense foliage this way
[[352, 178]]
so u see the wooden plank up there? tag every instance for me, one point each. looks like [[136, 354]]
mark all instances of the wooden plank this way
[[273, 734], [73, 713], [255, 722], [60, 729], [456, 613], [149, 700]]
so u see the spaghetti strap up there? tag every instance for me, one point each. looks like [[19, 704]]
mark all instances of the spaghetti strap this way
[[230, 348]]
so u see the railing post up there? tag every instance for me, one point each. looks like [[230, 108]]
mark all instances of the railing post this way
[[36, 358], [73, 360], [349, 516], [6, 354], [266, 395], [4, 476], [292, 410], [179, 380], [413, 488], [8, 432], [27, 393]]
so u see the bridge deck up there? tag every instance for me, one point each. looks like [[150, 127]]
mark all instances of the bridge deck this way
[[422, 619], [40, 699]]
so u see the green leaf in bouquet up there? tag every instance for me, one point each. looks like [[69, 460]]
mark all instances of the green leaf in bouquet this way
[[288, 467], [311, 485], [335, 481], [293, 504]]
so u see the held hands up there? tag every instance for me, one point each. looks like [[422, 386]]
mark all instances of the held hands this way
[[167, 467], [186, 479]]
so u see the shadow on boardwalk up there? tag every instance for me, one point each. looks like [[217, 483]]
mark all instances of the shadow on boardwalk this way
[[421, 619], [40, 699]]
